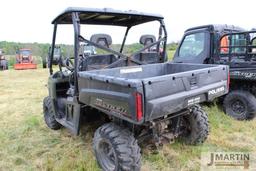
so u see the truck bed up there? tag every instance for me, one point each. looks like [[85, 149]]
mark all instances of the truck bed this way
[[160, 89]]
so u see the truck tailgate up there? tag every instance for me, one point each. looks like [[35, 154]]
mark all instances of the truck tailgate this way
[[171, 93]]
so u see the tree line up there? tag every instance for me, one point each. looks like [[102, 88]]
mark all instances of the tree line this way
[[41, 49], [38, 49]]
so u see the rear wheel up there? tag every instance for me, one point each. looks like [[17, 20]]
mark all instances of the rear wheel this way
[[49, 117], [116, 149], [196, 126], [240, 105]]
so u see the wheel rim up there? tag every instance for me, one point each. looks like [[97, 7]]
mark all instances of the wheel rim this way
[[238, 107], [107, 155]]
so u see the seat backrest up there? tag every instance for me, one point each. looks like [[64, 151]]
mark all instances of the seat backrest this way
[[98, 61], [149, 55], [147, 39], [102, 39]]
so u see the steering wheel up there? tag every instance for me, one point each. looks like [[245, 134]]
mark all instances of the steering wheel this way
[[68, 63]]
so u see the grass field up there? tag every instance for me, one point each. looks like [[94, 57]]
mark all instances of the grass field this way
[[27, 144]]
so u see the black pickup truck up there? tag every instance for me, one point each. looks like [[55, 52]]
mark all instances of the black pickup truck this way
[[141, 96]]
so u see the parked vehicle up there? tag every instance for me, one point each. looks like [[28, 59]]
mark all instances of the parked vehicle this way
[[141, 96], [228, 45], [3, 61], [24, 60], [56, 57]]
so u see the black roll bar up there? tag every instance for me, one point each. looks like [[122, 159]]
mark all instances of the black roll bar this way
[[53, 45]]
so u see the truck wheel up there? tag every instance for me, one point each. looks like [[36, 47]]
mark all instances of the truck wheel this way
[[116, 149], [197, 126], [240, 105], [49, 117], [44, 63]]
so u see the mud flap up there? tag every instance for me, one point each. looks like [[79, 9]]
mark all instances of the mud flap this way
[[72, 115]]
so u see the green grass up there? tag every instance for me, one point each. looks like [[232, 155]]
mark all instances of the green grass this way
[[170, 54], [27, 144]]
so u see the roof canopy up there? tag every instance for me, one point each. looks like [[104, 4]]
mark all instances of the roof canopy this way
[[218, 27], [106, 16]]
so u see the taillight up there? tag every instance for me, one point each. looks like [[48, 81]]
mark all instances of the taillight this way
[[139, 110]]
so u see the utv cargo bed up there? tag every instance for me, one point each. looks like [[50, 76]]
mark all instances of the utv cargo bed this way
[[142, 93]]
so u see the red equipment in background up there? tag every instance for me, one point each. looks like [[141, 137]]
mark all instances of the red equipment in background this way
[[24, 60]]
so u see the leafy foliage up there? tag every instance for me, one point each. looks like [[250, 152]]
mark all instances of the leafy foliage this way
[[41, 49], [38, 49], [172, 46]]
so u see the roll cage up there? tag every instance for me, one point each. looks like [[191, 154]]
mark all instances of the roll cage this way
[[128, 19]]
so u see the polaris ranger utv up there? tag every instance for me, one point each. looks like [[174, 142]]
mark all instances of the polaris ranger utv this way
[[141, 96], [228, 45]]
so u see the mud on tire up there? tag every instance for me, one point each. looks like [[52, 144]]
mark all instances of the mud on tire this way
[[116, 149], [49, 117]]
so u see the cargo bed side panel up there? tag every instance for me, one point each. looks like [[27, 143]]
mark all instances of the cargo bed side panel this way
[[111, 98]]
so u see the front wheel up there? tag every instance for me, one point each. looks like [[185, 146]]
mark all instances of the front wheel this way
[[49, 117], [196, 126], [240, 105], [116, 149]]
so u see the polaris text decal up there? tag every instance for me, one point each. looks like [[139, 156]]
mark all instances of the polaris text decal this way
[[216, 91]]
